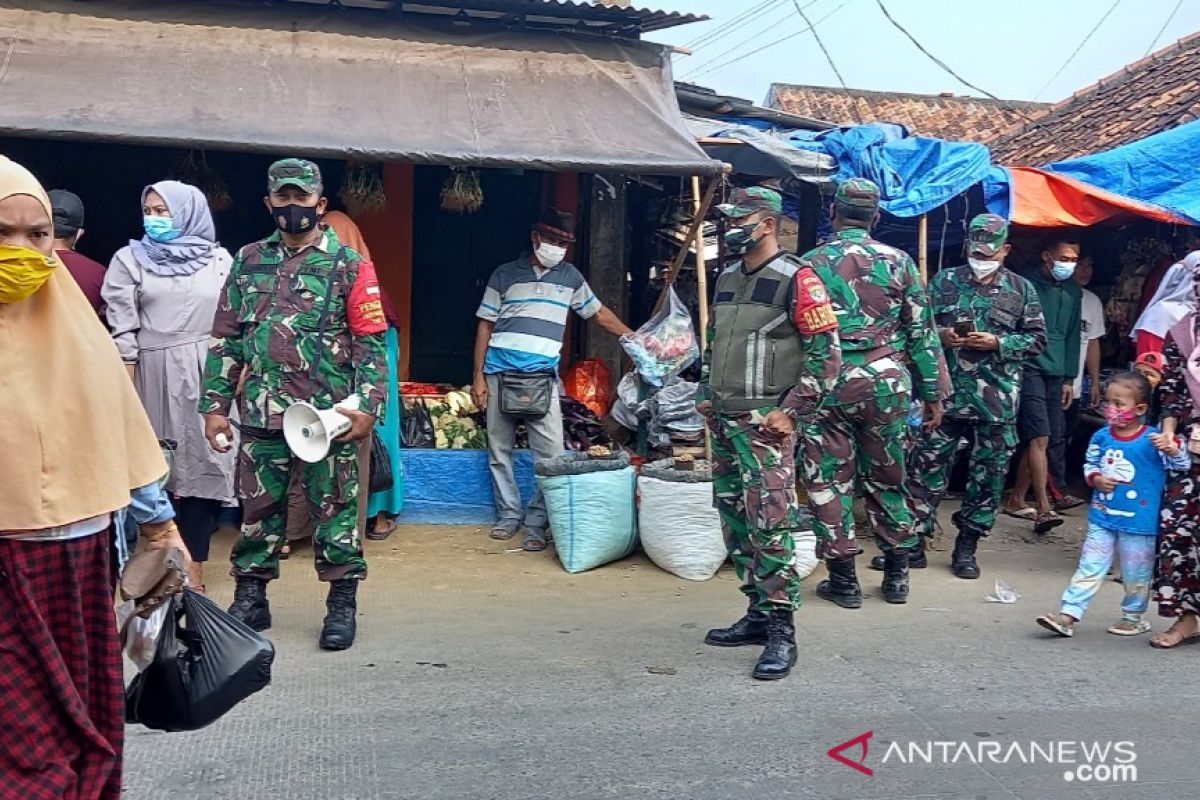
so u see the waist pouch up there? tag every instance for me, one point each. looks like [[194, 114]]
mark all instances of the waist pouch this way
[[526, 394]]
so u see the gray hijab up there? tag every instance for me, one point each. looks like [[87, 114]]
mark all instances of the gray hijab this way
[[193, 249]]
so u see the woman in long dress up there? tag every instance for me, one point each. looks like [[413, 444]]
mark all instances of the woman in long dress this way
[[162, 292], [77, 445]]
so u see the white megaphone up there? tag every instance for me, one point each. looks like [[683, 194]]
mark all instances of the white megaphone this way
[[309, 432]]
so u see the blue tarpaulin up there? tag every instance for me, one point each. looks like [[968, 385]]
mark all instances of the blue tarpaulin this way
[[915, 175]]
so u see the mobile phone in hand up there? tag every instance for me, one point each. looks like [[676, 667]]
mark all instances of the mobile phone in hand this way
[[964, 327]]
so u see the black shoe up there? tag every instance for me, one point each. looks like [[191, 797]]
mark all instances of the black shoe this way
[[916, 558], [842, 587], [895, 577], [963, 562], [779, 656], [750, 629], [250, 606], [340, 625]]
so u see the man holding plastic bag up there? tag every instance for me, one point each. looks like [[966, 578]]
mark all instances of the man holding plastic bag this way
[[518, 344], [773, 355]]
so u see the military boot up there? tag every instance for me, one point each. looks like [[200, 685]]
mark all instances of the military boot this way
[[750, 629], [250, 606], [916, 558], [341, 606], [842, 586], [962, 561], [895, 576], [779, 656]]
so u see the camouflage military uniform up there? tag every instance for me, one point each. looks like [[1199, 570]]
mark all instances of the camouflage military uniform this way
[[269, 322], [986, 384], [857, 439]]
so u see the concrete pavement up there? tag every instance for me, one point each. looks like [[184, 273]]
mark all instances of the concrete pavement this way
[[484, 674]]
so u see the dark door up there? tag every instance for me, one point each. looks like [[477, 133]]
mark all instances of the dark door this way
[[453, 257]]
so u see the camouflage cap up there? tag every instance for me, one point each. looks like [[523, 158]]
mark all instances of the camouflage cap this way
[[986, 235], [858, 193], [298, 172], [743, 202]]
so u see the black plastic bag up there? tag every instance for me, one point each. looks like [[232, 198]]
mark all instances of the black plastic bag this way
[[417, 428], [381, 466], [206, 662]]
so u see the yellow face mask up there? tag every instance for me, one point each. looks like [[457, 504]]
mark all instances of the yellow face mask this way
[[22, 272]]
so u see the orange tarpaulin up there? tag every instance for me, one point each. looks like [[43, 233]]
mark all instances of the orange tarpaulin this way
[[1046, 200]]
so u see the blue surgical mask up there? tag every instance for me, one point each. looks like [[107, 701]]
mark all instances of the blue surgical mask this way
[[160, 229], [1062, 270]]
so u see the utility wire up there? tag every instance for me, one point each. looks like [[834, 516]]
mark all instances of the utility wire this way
[[769, 45], [1071, 57], [829, 58], [737, 22], [757, 34], [931, 56], [1163, 29]]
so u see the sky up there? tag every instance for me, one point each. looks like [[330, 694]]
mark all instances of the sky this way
[[1014, 49]]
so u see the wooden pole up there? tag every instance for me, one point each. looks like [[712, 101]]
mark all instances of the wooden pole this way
[[702, 290], [922, 247]]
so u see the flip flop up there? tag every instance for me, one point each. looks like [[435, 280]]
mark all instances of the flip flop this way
[[1046, 522], [1028, 513], [503, 533], [534, 542], [379, 536]]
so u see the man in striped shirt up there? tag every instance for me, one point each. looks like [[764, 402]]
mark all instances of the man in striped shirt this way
[[522, 319]]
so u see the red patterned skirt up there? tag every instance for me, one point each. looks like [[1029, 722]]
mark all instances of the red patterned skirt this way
[[62, 707]]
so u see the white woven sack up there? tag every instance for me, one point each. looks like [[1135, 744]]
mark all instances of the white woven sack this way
[[680, 529]]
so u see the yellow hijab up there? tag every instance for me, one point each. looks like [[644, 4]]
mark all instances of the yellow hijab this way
[[74, 438]]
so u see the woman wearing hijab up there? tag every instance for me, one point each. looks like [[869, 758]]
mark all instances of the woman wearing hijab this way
[[161, 292], [1172, 301], [78, 444], [1177, 588]]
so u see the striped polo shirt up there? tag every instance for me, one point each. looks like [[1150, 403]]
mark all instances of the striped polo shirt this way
[[529, 307]]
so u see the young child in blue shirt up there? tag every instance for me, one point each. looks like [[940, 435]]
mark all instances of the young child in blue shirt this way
[[1126, 467]]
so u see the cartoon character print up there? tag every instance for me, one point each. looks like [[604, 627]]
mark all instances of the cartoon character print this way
[[1115, 465]]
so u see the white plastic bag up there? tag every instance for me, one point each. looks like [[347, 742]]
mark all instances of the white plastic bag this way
[[805, 554], [666, 345], [140, 635], [680, 529]]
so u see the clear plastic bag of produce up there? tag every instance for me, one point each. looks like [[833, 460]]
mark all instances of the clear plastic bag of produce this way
[[666, 345]]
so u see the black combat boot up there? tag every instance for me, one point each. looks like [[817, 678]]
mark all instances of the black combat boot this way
[[250, 606], [916, 558], [340, 625], [895, 576], [779, 656], [963, 562], [842, 587], [750, 629]]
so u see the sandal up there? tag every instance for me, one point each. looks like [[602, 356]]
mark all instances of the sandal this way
[[1046, 522], [1129, 627], [1028, 513], [535, 541], [1058, 623], [1171, 638], [503, 532], [378, 536], [1068, 501], [285, 552]]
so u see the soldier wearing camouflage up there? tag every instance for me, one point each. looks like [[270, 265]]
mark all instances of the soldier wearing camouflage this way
[[857, 440], [772, 356], [300, 323], [990, 322]]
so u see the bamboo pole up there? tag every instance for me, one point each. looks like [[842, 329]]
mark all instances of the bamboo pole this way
[[922, 247], [697, 224], [702, 290]]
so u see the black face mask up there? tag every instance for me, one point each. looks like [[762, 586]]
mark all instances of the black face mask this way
[[295, 218]]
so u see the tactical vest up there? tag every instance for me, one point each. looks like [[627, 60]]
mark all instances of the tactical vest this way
[[756, 354]]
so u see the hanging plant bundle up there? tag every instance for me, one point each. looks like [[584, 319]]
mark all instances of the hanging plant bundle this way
[[362, 189], [196, 171], [462, 192]]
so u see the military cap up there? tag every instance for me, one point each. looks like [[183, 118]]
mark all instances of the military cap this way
[[858, 193], [986, 235], [304, 175], [743, 202]]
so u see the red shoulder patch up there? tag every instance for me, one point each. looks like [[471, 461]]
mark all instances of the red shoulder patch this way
[[814, 311], [365, 304]]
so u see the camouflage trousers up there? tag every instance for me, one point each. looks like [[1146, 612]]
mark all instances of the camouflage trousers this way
[[754, 491], [330, 487], [932, 459], [858, 441]]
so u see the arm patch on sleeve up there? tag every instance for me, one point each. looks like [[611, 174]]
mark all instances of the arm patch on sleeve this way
[[814, 311], [364, 307]]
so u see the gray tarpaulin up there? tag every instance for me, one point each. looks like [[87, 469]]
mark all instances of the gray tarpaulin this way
[[340, 84], [761, 154]]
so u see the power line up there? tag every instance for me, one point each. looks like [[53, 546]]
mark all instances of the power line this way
[[931, 56], [829, 58], [780, 40], [1163, 29], [743, 42], [1071, 57], [737, 22]]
